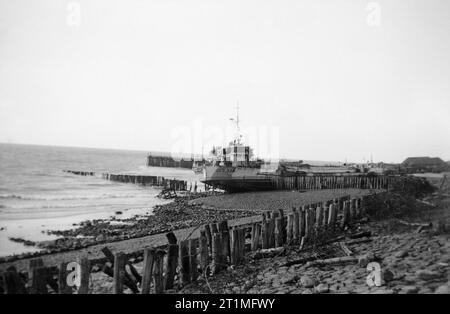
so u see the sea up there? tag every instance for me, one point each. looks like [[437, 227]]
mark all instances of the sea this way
[[36, 195]]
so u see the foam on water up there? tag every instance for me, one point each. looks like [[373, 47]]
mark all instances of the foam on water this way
[[36, 195]]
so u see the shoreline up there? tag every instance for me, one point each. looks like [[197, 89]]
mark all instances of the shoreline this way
[[138, 232], [162, 218]]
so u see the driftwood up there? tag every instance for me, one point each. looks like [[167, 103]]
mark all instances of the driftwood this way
[[344, 248], [299, 261], [110, 256], [333, 261], [110, 272], [356, 241], [361, 234], [263, 253], [415, 224]]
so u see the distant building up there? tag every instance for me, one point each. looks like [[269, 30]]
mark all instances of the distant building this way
[[424, 164]]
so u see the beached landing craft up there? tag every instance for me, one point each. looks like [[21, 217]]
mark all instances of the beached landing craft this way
[[234, 169]]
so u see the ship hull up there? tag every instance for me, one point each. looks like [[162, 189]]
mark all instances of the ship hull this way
[[236, 179]]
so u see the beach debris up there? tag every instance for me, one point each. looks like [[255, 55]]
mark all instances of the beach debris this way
[[344, 248], [265, 253], [415, 224], [357, 241], [127, 280], [332, 261]]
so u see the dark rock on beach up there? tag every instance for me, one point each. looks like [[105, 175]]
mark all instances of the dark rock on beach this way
[[172, 216]]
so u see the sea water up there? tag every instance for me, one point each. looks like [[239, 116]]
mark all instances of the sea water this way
[[36, 195]]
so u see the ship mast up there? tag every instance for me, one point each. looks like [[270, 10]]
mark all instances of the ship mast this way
[[236, 120]]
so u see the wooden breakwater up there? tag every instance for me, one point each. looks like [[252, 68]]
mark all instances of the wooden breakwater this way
[[168, 161], [318, 182], [183, 261], [144, 180]]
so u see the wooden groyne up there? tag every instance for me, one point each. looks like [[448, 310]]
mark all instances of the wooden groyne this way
[[167, 161], [80, 173], [183, 261], [318, 182], [144, 180]]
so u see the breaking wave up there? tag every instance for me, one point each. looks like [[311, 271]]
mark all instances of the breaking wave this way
[[64, 197]]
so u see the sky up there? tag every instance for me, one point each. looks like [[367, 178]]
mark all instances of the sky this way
[[315, 80]]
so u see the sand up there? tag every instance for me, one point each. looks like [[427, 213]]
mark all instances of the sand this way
[[272, 200]]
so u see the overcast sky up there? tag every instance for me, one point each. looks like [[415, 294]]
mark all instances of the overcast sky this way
[[337, 79]]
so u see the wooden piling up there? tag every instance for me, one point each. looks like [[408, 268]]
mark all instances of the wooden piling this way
[[290, 229], [256, 231], [279, 232], [352, 210], [37, 274], [308, 227], [283, 225], [193, 243], [358, 207], [301, 222], [326, 209], [223, 229], [319, 219], [84, 275], [12, 282], [185, 272], [204, 260], [214, 228], [265, 229], [172, 260], [296, 227], [208, 237], [149, 257], [216, 253], [332, 217], [271, 233], [158, 279], [63, 288], [235, 246], [241, 245], [346, 214], [119, 272]]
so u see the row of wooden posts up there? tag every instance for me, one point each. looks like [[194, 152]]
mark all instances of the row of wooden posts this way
[[318, 182], [217, 248], [315, 182], [145, 180], [172, 184]]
